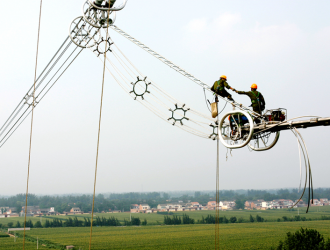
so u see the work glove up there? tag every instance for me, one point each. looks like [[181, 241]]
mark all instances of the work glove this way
[[234, 90]]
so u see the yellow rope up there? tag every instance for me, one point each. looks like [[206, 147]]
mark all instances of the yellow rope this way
[[99, 130], [33, 102], [217, 208]]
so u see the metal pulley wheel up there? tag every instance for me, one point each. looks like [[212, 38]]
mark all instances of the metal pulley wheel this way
[[83, 34], [98, 17], [236, 129], [264, 141]]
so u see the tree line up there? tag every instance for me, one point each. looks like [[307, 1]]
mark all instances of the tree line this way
[[124, 201]]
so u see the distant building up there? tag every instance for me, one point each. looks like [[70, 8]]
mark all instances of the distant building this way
[[76, 210], [324, 201]]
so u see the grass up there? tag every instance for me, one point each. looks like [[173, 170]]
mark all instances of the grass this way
[[232, 236], [9, 244]]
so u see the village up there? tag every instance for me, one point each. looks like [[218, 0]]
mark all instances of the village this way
[[36, 211]]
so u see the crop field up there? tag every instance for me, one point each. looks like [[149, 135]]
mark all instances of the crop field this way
[[9, 244], [232, 236], [157, 219]]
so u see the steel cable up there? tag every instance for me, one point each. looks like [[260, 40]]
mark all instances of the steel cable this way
[[30, 146]]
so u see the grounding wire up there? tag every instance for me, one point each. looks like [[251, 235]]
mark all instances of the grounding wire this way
[[295, 132], [310, 190], [299, 166]]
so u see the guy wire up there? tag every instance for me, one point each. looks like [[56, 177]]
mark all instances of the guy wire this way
[[217, 213], [99, 130], [29, 161]]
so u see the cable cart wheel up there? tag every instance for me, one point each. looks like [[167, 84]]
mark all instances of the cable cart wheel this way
[[97, 17], [236, 129], [83, 34], [264, 141]]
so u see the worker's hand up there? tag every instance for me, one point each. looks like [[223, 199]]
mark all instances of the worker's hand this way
[[233, 89]]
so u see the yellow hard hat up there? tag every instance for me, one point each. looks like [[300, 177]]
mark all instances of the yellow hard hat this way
[[223, 76], [254, 86]]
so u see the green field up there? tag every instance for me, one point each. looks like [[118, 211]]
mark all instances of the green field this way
[[155, 236], [232, 236], [314, 213]]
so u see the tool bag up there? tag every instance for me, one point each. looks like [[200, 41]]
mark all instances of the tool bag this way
[[214, 109]]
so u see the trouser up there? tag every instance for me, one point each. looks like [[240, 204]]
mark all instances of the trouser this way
[[257, 110], [224, 93]]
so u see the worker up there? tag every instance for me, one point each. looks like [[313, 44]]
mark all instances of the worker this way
[[219, 88], [257, 99]]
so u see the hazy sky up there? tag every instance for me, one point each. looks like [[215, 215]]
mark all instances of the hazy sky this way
[[283, 46]]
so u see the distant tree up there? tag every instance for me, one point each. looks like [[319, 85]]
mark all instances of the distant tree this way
[[240, 220], [239, 204], [225, 220], [233, 219], [259, 218], [251, 218], [136, 221], [37, 224], [47, 223], [144, 222], [10, 224], [304, 239], [28, 224], [187, 220], [18, 224], [278, 219], [285, 218], [0, 225]]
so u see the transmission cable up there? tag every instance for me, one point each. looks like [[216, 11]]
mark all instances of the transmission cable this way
[[30, 147]]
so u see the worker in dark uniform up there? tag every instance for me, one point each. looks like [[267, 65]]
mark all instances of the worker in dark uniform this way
[[257, 99], [219, 88]]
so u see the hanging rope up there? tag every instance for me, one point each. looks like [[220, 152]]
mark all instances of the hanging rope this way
[[30, 146], [99, 130], [217, 208]]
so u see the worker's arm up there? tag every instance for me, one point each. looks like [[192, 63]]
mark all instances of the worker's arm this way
[[228, 87], [242, 92]]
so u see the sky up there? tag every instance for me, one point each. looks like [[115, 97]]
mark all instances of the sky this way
[[283, 46]]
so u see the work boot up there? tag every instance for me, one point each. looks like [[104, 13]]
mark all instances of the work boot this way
[[230, 98]]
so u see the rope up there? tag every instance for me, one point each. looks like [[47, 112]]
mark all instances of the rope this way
[[217, 208], [99, 130], [29, 161]]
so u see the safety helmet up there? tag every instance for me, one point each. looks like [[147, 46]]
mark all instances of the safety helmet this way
[[224, 77], [254, 86]]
